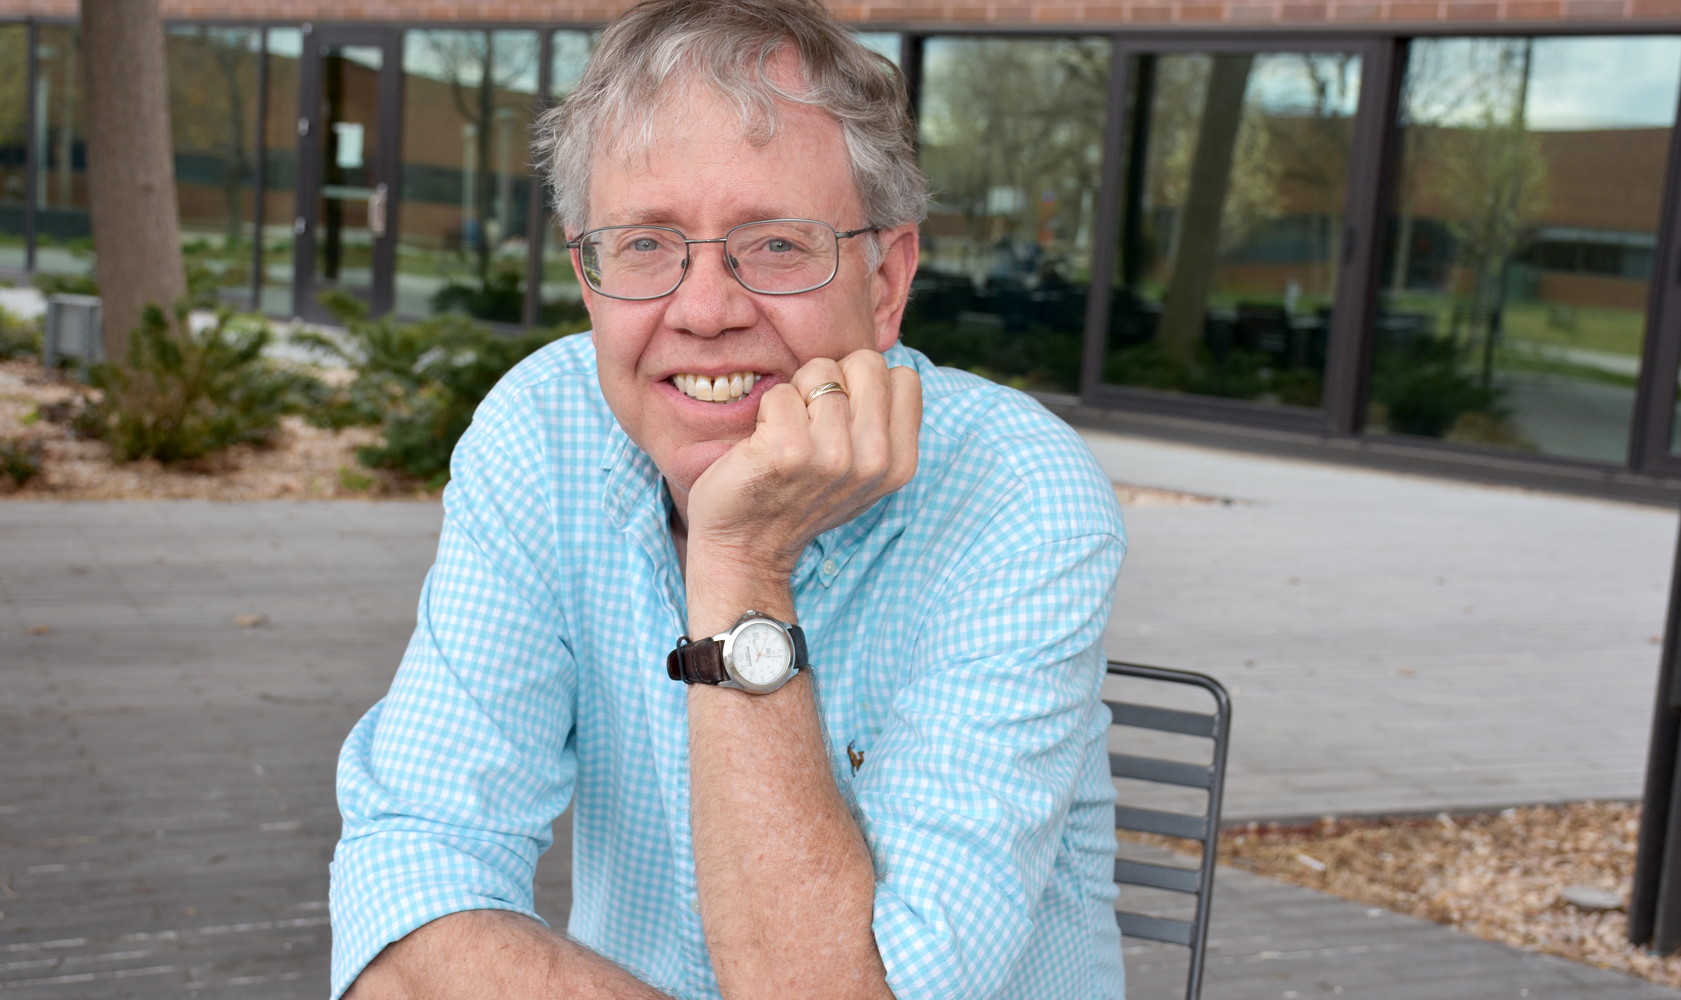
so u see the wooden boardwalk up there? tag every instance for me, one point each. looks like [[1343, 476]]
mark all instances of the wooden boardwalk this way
[[166, 775]]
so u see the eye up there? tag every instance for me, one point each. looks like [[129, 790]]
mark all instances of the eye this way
[[646, 244], [778, 245]]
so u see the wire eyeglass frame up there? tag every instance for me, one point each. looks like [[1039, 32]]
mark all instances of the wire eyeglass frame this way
[[729, 261]]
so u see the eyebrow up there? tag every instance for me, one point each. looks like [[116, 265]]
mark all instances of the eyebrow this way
[[664, 217]]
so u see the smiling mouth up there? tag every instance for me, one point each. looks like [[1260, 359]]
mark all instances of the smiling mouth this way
[[723, 389]]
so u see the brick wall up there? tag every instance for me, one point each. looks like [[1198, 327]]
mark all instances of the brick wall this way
[[931, 13]]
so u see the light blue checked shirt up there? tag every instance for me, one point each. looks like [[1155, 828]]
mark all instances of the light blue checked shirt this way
[[954, 631]]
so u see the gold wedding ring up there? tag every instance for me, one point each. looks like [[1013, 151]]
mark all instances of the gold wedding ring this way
[[826, 387]]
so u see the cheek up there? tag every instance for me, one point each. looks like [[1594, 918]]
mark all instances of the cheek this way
[[818, 325], [620, 342]]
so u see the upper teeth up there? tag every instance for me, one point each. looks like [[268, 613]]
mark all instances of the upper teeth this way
[[722, 389]]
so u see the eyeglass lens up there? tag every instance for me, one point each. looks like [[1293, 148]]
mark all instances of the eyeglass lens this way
[[775, 258]]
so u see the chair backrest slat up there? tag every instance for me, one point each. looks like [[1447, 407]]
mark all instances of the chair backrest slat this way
[[1166, 772], [1157, 876], [1155, 928], [1165, 824], [1204, 828], [1167, 720]]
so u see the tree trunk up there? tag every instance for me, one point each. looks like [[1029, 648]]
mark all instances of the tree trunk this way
[[1196, 250], [131, 169]]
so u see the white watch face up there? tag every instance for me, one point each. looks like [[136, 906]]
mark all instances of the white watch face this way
[[761, 653]]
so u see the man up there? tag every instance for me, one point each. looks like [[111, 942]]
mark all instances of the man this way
[[904, 795]]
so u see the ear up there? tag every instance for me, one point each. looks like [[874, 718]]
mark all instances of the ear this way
[[891, 282]]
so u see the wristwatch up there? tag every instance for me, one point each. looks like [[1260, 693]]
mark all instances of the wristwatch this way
[[758, 655]]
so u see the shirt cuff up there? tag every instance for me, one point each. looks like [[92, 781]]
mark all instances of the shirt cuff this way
[[387, 884]]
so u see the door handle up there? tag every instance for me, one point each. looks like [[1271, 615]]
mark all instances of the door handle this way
[[376, 210]]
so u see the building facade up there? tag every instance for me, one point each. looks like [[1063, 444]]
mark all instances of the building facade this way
[[1437, 235]]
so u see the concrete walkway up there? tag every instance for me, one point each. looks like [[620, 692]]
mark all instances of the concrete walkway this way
[[166, 806], [1395, 643]]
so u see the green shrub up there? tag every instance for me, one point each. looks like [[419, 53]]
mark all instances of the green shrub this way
[[181, 396], [19, 338], [1147, 366], [1039, 358], [207, 272], [66, 284], [1424, 389], [1238, 375], [420, 381], [501, 298], [20, 461]]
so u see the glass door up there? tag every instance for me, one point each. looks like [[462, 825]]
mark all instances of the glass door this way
[[347, 169]]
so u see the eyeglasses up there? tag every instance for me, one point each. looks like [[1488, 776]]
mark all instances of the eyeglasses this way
[[773, 257]]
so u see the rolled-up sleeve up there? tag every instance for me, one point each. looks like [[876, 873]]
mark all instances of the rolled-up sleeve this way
[[449, 785], [966, 795]]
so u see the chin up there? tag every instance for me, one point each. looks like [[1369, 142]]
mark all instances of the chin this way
[[688, 462]]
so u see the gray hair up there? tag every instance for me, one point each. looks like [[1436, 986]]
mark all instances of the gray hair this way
[[727, 46]]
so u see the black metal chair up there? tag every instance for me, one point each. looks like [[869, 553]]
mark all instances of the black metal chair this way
[[1203, 827]]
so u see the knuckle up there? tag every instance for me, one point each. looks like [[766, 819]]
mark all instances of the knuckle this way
[[873, 460]]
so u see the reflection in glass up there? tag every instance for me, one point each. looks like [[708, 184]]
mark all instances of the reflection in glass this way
[[350, 210], [1231, 221], [280, 169], [213, 118], [63, 237], [1011, 142], [562, 298], [14, 136], [884, 43], [1525, 205], [466, 173]]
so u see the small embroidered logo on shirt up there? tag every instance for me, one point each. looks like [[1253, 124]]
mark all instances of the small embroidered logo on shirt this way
[[855, 755]]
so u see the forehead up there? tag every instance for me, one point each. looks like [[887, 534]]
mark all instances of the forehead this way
[[701, 161]]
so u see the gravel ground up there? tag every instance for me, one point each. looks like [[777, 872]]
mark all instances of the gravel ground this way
[[1500, 876]]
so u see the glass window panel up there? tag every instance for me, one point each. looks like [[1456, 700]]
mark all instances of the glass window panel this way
[[1011, 142], [1526, 202], [1231, 215], [213, 118], [280, 169], [466, 175], [14, 136], [63, 237], [569, 53], [561, 298], [887, 43]]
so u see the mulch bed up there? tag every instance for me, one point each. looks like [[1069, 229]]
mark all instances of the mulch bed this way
[[1497, 876], [302, 462]]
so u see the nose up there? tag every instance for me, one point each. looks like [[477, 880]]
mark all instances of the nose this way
[[709, 301]]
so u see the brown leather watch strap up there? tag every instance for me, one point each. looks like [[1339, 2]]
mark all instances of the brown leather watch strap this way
[[697, 662], [702, 662]]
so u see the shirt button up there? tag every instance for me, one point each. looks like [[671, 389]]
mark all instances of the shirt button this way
[[830, 568], [694, 904]]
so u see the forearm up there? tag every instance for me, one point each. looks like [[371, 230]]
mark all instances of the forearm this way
[[787, 887], [493, 953]]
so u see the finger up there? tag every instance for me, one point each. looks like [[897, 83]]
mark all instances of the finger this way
[[827, 416], [905, 424], [871, 404], [818, 372]]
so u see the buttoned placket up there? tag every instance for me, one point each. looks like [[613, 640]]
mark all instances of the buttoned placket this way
[[636, 502]]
